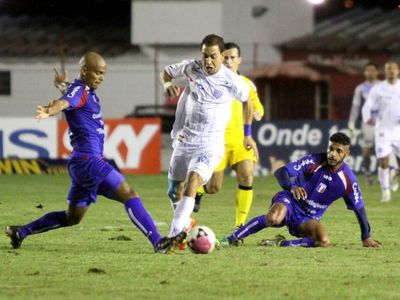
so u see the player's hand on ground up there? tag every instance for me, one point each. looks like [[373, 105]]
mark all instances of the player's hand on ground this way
[[42, 112], [299, 193], [249, 143], [371, 243]]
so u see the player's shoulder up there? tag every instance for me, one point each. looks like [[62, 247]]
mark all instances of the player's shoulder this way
[[379, 85], [249, 82], [76, 88], [308, 161], [231, 76], [347, 172]]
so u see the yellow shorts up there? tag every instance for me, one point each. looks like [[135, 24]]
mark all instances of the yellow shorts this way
[[235, 154]]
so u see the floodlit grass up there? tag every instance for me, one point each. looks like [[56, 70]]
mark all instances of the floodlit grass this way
[[82, 262]]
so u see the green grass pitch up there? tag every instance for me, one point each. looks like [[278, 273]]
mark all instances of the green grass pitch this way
[[89, 261]]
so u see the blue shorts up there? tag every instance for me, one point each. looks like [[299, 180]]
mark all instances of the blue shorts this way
[[295, 215], [91, 176]]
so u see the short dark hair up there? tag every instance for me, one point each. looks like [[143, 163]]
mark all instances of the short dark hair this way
[[340, 138], [370, 64], [213, 40], [231, 45]]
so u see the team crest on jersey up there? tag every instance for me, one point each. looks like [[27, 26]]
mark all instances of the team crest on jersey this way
[[321, 188], [217, 93]]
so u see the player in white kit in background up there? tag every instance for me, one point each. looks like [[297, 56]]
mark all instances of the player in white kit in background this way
[[360, 96], [209, 91], [382, 109]]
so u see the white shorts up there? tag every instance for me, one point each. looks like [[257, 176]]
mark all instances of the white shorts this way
[[202, 161], [368, 135], [387, 142]]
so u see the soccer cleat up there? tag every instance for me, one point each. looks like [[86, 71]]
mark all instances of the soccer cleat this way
[[182, 245], [386, 195], [222, 243], [277, 241], [197, 200], [167, 245], [163, 246], [12, 232], [190, 226], [178, 241]]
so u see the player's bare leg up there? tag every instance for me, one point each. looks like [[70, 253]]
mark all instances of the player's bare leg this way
[[316, 231]]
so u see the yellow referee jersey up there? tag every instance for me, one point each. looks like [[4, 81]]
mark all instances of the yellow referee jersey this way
[[234, 131]]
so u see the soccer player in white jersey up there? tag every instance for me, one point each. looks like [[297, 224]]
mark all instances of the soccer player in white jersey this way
[[360, 96], [209, 91], [382, 108]]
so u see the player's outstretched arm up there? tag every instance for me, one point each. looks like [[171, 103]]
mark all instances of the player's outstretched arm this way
[[61, 80], [54, 107]]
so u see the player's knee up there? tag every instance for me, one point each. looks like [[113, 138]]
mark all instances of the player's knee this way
[[213, 188], [124, 192], [276, 215], [323, 243], [73, 220], [273, 218], [245, 179], [322, 240]]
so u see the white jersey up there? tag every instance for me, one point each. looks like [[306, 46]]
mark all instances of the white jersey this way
[[383, 106], [360, 96], [208, 101]]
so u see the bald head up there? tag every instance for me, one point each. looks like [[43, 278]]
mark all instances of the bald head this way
[[91, 59], [93, 68]]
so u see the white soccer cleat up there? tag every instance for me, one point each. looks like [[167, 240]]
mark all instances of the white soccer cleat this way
[[386, 195]]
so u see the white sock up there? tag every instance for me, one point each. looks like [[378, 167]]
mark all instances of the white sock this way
[[384, 178], [181, 215]]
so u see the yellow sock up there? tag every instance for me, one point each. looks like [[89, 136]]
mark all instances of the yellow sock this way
[[201, 190], [244, 197]]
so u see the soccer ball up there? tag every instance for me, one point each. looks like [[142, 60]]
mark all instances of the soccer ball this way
[[201, 240]]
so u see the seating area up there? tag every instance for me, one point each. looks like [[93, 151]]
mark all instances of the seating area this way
[[43, 36]]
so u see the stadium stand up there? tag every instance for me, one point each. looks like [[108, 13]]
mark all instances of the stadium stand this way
[[40, 36]]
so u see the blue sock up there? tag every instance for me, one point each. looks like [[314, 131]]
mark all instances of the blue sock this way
[[142, 220], [253, 226], [49, 221], [303, 242]]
